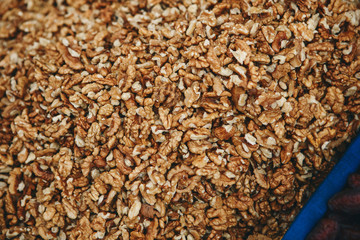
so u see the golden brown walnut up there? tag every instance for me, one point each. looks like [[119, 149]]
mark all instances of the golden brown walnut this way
[[224, 132], [335, 99], [44, 174], [282, 179], [276, 45], [148, 211], [269, 116], [287, 152], [71, 61], [238, 165], [281, 70], [213, 60]]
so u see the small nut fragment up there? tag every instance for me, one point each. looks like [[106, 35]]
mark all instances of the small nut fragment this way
[[280, 36], [269, 116], [70, 210], [44, 174], [250, 138], [134, 209], [335, 99], [281, 70], [49, 213], [224, 132], [192, 94], [148, 211], [269, 33], [106, 110], [71, 61]]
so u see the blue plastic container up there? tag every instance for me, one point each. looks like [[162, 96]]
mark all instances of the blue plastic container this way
[[316, 206]]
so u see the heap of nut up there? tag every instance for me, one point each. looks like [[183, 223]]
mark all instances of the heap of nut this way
[[164, 119]]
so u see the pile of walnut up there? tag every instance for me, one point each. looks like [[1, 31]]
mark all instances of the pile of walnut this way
[[170, 119]]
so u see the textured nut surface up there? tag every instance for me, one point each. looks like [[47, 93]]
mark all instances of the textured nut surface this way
[[158, 119]]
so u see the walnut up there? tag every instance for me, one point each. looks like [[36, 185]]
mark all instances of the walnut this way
[[335, 99], [7, 29], [115, 124], [44, 174], [213, 60], [208, 18], [261, 58], [192, 94], [287, 152], [280, 36], [212, 103], [168, 146], [241, 202], [242, 53], [13, 180], [281, 70], [238, 165], [200, 161], [106, 110], [148, 211], [70, 209], [165, 94], [196, 134], [324, 46], [65, 163], [73, 62], [239, 97], [282, 179], [222, 218], [261, 178], [225, 132], [49, 213], [269, 116], [23, 128], [269, 33], [198, 146], [301, 30]]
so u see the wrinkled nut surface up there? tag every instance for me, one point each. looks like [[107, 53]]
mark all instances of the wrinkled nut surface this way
[[158, 119]]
